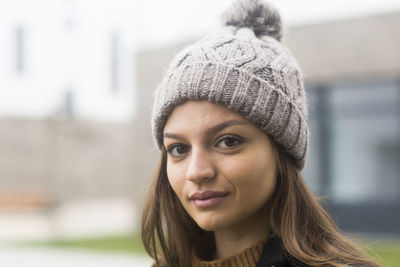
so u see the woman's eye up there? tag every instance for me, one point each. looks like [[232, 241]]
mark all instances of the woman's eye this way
[[229, 142], [178, 150]]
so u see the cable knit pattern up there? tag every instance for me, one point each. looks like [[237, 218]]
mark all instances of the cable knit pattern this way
[[255, 76], [247, 258]]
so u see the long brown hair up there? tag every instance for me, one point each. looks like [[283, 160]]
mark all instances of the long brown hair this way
[[307, 232]]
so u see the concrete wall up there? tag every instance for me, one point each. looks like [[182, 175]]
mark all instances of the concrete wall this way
[[63, 160], [359, 48]]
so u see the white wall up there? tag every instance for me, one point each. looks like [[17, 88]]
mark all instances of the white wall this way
[[67, 46]]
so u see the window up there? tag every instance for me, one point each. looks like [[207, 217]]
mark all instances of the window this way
[[365, 143], [354, 156], [20, 49], [114, 61]]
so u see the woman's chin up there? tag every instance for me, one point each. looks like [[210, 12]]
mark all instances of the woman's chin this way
[[210, 224], [207, 226]]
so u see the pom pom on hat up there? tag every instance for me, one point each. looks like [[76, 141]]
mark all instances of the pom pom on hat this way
[[257, 15]]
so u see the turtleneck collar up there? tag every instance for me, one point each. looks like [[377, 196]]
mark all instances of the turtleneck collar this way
[[246, 258]]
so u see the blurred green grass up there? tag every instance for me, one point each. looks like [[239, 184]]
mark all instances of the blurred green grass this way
[[386, 253], [127, 244]]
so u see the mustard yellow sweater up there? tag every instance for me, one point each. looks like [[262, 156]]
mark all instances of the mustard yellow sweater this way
[[247, 258]]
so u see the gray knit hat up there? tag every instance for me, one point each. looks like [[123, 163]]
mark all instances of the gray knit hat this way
[[244, 67]]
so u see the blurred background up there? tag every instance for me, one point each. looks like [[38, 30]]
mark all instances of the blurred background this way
[[76, 85]]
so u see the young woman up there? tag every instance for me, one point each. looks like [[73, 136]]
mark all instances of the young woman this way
[[230, 120]]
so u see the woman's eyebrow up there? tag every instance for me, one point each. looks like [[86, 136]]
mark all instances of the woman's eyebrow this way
[[172, 136], [214, 129], [225, 124]]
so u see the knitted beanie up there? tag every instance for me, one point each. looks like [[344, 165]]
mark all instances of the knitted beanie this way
[[244, 67]]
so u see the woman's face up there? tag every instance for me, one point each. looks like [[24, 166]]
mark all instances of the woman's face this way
[[220, 165]]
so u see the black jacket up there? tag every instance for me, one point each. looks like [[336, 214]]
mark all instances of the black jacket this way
[[273, 255]]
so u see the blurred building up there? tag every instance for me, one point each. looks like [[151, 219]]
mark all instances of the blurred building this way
[[352, 70], [71, 128]]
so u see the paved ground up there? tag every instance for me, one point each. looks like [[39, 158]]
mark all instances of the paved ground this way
[[11, 256]]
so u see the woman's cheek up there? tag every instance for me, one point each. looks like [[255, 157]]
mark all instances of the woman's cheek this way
[[237, 166]]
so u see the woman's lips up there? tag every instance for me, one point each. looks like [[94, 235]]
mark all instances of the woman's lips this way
[[207, 199]]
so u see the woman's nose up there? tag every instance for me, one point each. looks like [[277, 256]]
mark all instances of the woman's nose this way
[[200, 168]]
